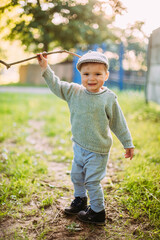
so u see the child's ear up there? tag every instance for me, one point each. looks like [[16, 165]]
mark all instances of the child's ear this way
[[107, 76]]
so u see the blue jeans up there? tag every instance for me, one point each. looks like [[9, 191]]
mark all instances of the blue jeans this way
[[88, 169]]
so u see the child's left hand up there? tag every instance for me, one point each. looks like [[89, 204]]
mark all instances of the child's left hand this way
[[129, 153]]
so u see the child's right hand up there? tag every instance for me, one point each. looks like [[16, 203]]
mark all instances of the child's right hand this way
[[42, 60]]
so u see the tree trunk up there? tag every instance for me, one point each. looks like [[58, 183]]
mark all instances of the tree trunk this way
[[46, 46]]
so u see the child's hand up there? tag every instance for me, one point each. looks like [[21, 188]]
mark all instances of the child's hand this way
[[42, 60], [129, 153]]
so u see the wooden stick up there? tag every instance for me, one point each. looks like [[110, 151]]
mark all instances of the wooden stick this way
[[8, 65]]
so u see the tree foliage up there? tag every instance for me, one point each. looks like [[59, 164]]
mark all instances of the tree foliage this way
[[136, 43], [46, 24]]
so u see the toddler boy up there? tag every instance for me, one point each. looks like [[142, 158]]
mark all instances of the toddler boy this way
[[94, 110]]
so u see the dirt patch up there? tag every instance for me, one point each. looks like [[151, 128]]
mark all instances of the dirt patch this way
[[54, 224]]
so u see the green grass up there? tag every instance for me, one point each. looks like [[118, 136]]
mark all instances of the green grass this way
[[18, 84], [140, 189], [19, 178], [22, 169]]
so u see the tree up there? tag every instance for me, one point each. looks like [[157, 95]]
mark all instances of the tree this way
[[45, 24], [136, 46]]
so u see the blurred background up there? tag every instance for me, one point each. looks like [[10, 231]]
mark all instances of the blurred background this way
[[35, 136], [121, 29]]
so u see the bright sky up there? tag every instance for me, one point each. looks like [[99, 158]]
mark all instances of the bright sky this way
[[141, 10]]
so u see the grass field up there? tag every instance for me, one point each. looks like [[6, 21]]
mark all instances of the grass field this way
[[23, 168]]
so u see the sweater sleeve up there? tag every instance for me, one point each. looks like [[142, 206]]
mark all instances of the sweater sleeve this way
[[119, 126], [61, 89]]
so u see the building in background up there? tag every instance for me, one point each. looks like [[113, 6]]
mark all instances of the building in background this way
[[153, 74]]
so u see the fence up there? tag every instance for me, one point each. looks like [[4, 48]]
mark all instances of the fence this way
[[67, 70]]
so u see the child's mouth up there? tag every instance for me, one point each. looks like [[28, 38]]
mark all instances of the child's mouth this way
[[91, 84]]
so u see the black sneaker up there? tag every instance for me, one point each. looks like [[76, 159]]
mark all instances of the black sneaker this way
[[89, 216], [77, 205]]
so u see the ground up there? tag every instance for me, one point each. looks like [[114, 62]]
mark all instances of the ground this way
[[52, 223]]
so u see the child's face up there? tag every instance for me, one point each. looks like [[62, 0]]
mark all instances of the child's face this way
[[93, 76]]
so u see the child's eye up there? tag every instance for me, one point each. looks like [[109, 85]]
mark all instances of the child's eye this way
[[86, 74], [98, 74]]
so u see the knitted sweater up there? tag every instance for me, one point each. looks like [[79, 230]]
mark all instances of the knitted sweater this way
[[92, 115]]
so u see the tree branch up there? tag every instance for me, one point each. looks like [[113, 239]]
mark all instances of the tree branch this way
[[39, 4], [8, 65]]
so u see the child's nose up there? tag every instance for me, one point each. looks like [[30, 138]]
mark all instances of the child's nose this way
[[92, 77]]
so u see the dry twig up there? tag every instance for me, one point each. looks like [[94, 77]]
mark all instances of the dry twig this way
[[8, 65]]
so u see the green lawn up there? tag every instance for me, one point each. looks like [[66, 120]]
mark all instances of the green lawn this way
[[138, 193]]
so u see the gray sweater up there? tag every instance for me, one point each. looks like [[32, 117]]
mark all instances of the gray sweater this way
[[92, 115]]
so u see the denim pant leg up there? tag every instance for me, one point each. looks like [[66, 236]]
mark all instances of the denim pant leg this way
[[95, 171], [77, 174]]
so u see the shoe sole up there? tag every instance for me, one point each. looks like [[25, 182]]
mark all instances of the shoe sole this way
[[69, 213], [96, 223]]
